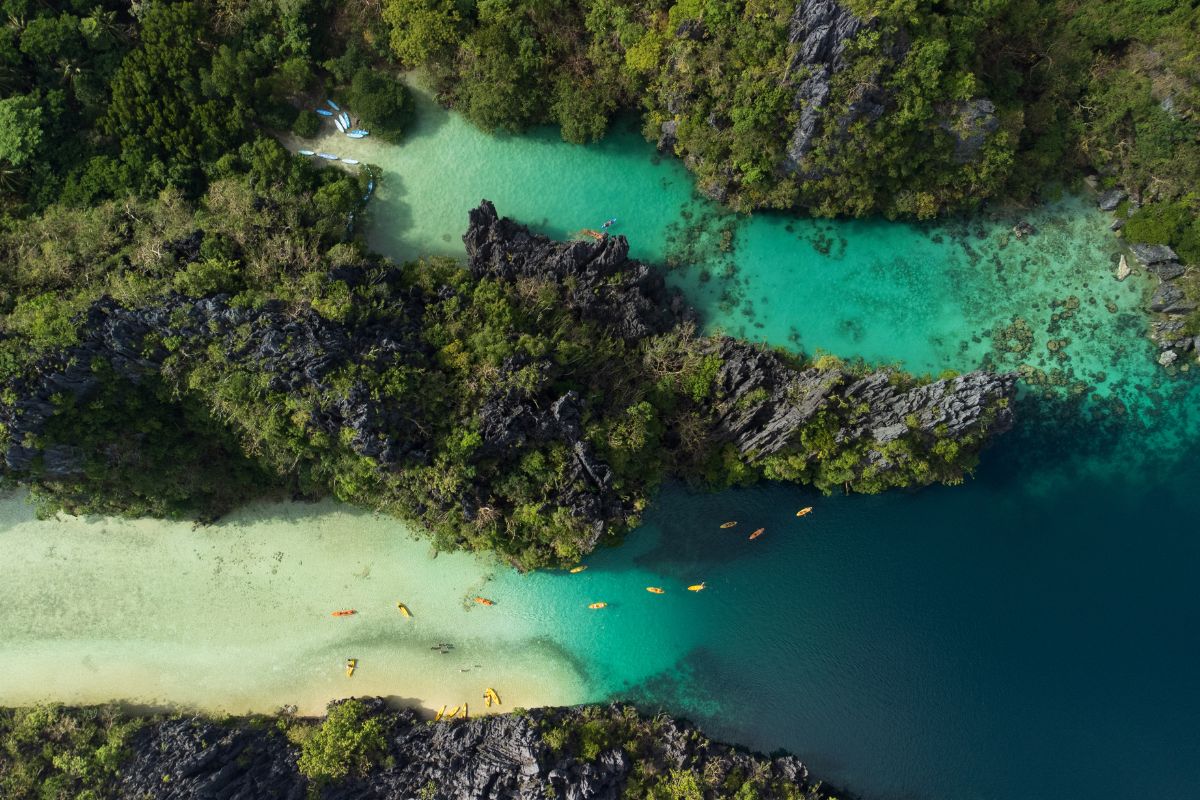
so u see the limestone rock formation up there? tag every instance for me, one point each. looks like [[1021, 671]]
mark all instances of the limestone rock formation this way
[[499, 757]]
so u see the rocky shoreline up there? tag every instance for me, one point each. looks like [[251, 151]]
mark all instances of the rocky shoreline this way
[[366, 749], [1176, 295]]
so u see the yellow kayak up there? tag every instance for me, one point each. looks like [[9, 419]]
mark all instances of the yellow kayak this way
[[441, 713], [654, 590], [491, 696], [351, 665], [404, 610], [463, 711], [452, 713], [728, 524], [696, 587], [598, 605], [579, 569], [804, 512]]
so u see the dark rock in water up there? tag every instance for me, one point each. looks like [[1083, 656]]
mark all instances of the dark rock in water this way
[[1169, 299], [1110, 199], [969, 123], [1149, 254], [1023, 229]]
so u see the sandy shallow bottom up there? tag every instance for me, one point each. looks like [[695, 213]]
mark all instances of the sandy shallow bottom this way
[[237, 617]]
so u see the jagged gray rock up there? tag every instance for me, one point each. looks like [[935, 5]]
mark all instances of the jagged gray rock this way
[[763, 401], [1110, 199], [498, 757], [821, 30], [638, 305], [1148, 254], [1170, 299]]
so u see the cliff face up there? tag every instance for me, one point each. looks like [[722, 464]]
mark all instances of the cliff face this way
[[501, 757]]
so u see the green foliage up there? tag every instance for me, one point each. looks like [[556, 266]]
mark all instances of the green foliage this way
[[55, 752], [422, 30], [1175, 223], [383, 102], [349, 741], [307, 124], [20, 129]]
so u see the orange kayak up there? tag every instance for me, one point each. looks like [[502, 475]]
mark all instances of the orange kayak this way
[[728, 524], [804, 512], [348, 612], [483, 601], [696, 587], [654, 590], [758, 533], [598, 605]]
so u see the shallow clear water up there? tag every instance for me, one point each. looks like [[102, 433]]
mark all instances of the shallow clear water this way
[[1028, 635]]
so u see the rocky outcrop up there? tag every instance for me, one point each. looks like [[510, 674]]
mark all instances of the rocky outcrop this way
[[1109, 199], [604, 283], [820, 31], [197, 759], [763, 400], [500, 757], [1169, 302]]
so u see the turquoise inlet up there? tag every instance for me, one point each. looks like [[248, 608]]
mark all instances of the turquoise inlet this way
[[1030, 634]]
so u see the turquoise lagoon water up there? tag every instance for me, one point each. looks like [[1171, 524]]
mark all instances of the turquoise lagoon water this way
[[1031, 634]]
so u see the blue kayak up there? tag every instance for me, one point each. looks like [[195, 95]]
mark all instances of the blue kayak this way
[[360, 132], [328, 156], [345, 118], [324, 113], [333, 105], [355, 135]]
